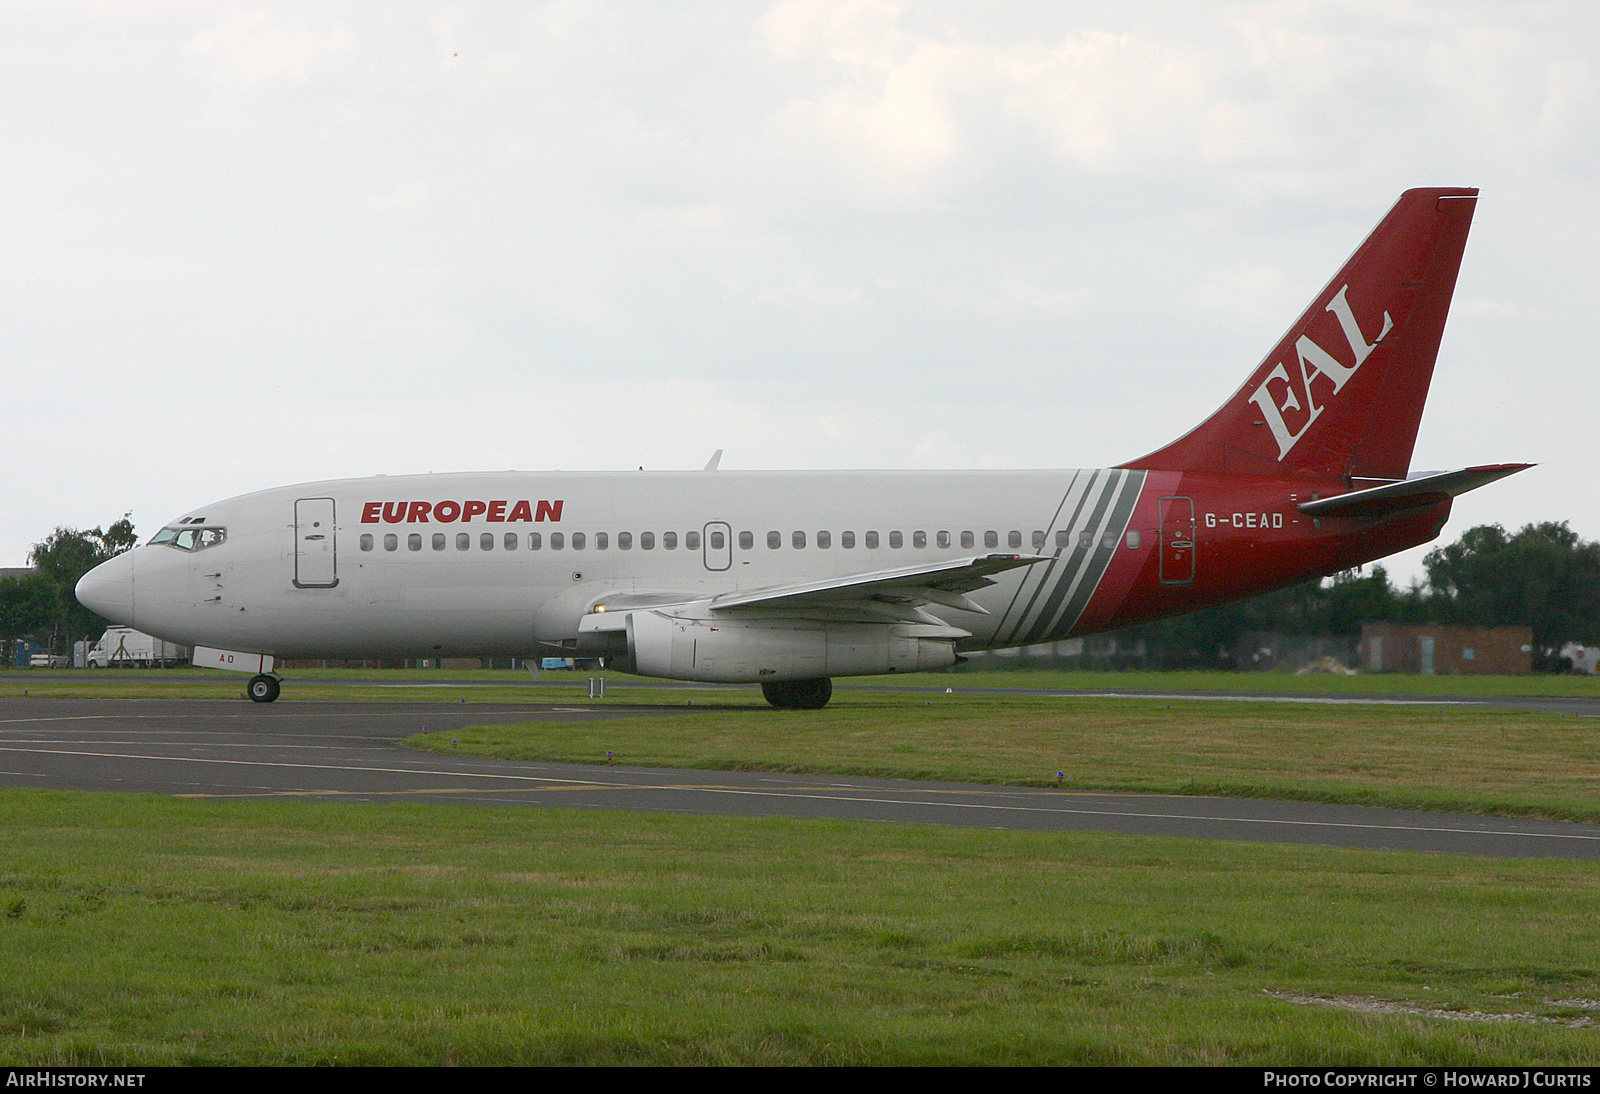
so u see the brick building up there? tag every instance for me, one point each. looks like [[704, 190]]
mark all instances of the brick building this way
[[1433, 649]]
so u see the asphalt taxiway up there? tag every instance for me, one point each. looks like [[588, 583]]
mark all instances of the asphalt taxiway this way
[[349, 751], [1576, 706]]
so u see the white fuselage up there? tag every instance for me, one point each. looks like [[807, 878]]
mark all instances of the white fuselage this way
[[446, 565]]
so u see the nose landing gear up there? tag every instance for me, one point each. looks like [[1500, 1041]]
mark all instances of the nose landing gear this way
[[262, 689]]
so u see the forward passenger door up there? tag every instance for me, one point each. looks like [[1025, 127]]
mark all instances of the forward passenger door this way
[[316, 562]]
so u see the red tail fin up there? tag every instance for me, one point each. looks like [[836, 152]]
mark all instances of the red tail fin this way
[[1341, 396]]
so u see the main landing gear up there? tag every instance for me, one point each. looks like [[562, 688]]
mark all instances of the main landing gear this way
[[262, 689], [799, 694]]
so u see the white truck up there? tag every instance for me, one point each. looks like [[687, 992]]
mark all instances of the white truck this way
[[126, 646]]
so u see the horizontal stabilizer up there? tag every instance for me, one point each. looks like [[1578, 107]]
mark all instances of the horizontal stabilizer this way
[[940, 582], [1382, 501]]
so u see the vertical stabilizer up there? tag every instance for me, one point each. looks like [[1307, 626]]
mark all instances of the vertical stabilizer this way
[[1341, 396]]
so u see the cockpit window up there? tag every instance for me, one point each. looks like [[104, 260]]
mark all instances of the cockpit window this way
[[190, 538]]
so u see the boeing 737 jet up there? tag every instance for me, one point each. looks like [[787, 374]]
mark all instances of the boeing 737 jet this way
[[788, 579]]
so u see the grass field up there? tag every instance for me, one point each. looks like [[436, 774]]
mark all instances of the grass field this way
[[1476, 760], [142, 930]]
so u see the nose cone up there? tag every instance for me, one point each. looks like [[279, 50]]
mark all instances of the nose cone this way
[[108, 589]]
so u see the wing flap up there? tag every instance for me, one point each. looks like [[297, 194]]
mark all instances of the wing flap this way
[[939, 583]]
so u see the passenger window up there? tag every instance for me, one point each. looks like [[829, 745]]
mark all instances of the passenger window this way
[[1038, 540], [919, 539], [1063, 538], [669, 541], [967, 539], [1133, 540], [366, 542], [438, 541], [872, 541], [824, 540], [991, 539], [799, 539], [774, 540], [1085, 540], [579, 541], [557, 541], [1013, 538], [691, 541], [1109, 540], [535, 541], [896, 540], [647, 541], [486, 541], [463, 541], [511, 541], [747, 540], [847, 540], [414, 541], [624, 541], [944, 539], [601, 541], [719, 540], [391, 542]]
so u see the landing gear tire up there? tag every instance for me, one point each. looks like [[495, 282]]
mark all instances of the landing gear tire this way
[[262, 689], [799, 694]]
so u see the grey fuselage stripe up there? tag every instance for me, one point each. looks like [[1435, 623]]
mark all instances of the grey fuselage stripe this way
[[1073, 574], [1080, 576], [1114, 530], [1063, 566], [1010, 622]]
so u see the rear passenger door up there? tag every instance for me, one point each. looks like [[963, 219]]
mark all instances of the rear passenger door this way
[[1177, 541]]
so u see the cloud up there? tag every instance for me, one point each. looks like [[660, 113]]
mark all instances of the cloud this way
[[1252, 97], [808, 297], [891, 104], [1014, 299], [404, 197], [251, 50]]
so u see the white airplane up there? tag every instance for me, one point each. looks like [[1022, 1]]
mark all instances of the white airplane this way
[[788, 579]]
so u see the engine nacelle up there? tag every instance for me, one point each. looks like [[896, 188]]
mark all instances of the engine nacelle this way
[[762, 650]]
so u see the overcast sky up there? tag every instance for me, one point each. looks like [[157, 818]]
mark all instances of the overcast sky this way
[[242, 246]]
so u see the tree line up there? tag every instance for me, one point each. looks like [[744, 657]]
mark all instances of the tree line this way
[[41, 605]]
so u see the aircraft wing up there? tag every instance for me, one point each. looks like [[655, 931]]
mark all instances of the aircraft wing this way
[[903, 588], [1382, 501], [940, 582]]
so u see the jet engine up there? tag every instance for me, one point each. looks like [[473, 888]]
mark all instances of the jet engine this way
[[767, 650]]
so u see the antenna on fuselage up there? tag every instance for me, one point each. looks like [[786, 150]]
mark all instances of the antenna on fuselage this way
[[711, 464]]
